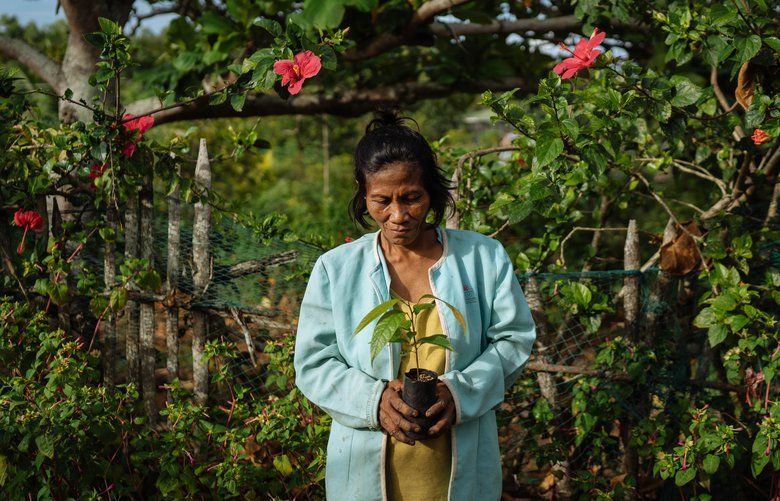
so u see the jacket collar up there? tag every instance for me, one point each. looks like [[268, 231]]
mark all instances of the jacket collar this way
[[441, 235]]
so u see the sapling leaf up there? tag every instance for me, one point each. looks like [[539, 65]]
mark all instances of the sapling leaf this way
[[423, 306], [455, 311], [438, 340], [378, 310], [385, 329]]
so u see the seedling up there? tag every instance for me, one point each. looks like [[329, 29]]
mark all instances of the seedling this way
[[397, 326]]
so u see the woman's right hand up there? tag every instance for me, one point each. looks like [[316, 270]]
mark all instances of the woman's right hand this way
[[393, 410]]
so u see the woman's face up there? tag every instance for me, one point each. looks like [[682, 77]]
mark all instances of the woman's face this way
[[398, 202]]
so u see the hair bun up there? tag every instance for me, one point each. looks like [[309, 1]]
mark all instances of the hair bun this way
[[387, 117]]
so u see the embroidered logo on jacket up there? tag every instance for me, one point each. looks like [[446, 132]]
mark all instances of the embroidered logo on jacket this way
[[469, 294]]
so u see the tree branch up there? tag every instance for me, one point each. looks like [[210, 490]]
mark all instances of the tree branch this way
[[388, 41], [349, 103], [37, 62]]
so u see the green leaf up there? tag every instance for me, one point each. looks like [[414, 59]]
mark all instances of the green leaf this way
[[237, 101], [45, 445], [773, 42], [96, 39], [581, 294], [705, 318], [547, 149], [213, 23], [417, 308], [687, 93], [711, 463], [737, 322], [324, 14], [747, 47], [458, 315], [58, 293], [570, 128], [760, 460], [438, 340], [717, 50], [716, 334], [684, 476], [283, 465], [374, 313], [385, 329], [271, 26], [109, 27]]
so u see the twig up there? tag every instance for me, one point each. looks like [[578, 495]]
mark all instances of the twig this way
[[582, 228]]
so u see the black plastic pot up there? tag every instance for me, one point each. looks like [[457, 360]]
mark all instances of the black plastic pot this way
[[420, 395]]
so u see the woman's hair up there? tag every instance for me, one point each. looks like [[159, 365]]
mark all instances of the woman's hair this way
[[387, 141]]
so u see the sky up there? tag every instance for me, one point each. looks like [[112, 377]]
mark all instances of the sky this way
[[42, 12]]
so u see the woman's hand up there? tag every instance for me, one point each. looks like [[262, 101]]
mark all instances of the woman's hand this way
[[444, 407], [393, 410]]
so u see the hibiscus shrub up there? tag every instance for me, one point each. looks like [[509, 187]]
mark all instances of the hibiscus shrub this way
[[602, 128]]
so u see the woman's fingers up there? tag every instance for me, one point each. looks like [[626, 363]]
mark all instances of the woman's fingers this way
[[402, 407], [445, 422], [435, 408], [401, 437]]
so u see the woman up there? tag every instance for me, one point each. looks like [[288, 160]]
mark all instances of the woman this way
[[369, 455]]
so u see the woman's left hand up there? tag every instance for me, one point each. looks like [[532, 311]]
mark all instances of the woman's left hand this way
[[444, 407]]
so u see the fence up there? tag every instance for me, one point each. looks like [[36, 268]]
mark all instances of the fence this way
[[220, 283]]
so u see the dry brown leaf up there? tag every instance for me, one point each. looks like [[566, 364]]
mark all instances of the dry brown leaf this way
[[746, 85], [679, 255], [548, 483], [617, 479]]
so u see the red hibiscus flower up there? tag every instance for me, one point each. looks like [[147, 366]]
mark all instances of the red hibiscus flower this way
[[129, 149], [141, 124], [95, 172], [759, 136], [29, 220], [305, 65], [583, 57]]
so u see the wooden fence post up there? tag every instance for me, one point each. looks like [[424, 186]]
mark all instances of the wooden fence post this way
[[147, 308], [201, 273], [172, 282], [108, 353], [131, 308], [630, 293]]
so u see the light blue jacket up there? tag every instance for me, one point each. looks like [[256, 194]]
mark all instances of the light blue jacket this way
[[333, 367]]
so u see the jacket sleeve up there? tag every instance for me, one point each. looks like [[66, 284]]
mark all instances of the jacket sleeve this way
[[481, 386], [348, 394]]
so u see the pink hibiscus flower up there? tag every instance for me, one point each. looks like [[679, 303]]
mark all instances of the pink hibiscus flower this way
[[305, 65], [583, 57], [29, 220]]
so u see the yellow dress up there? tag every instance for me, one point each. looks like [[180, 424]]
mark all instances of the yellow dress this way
[[420, 471]]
